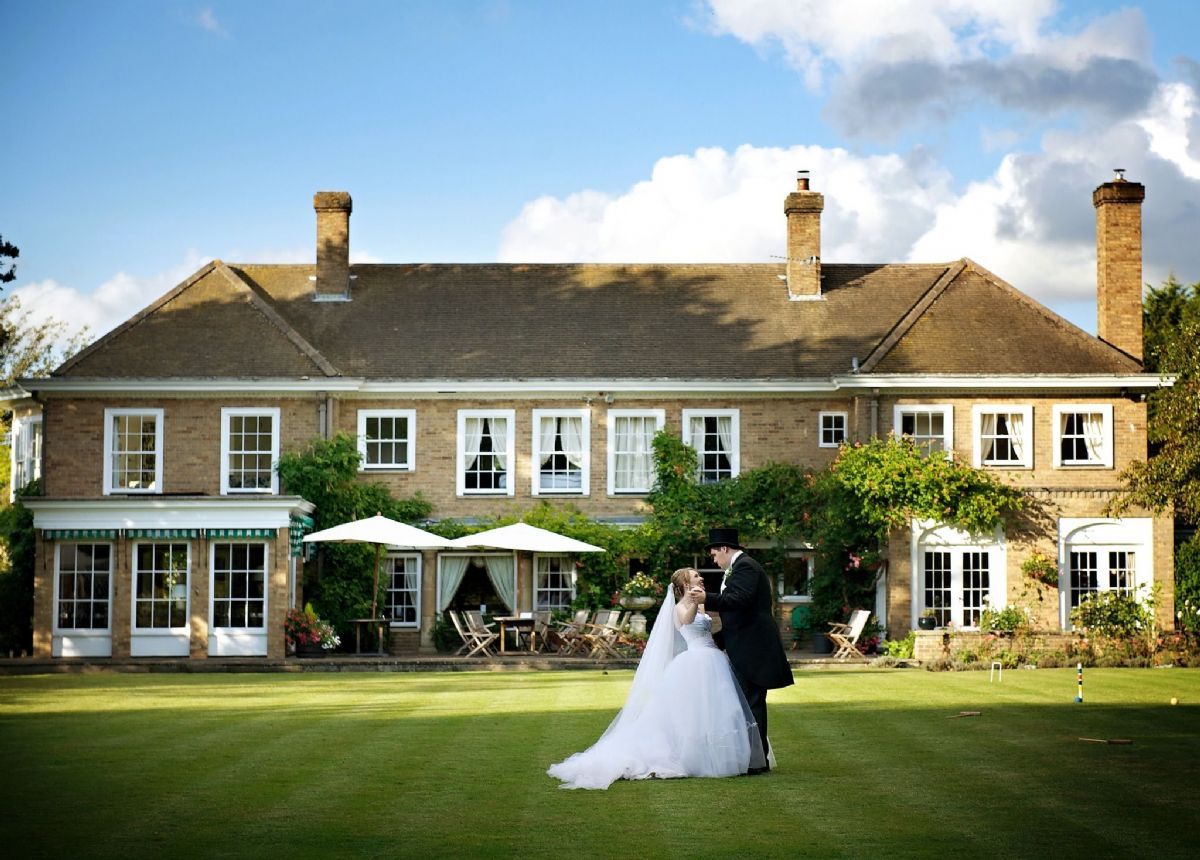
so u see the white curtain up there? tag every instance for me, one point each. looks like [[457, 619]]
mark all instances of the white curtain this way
[[696, 434], [725, 434], [450, 576], [572, 441], [549, 430], [987, 431], [1093, 435], [474, 432], [1016, 433], [500, 442], [640, 460], [500, 572], [623, 443]]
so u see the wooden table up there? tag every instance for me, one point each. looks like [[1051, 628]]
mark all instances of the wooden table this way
[[359, 624], [517, 623]]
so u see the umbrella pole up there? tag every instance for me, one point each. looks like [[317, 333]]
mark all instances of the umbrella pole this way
[[375, 592]]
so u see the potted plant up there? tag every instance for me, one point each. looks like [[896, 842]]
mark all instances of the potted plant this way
[[641, 592], [307, 634], [927, 620], [1041, 568]]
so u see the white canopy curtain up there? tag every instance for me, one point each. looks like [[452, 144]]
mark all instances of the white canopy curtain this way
[[500, 569], [451, 570]]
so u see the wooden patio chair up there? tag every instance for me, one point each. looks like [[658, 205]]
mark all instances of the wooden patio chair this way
[[603, 634], [541, 628], [475, 641], [845, 636], [570, 633]]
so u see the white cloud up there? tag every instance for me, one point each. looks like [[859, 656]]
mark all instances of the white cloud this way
[[900, 63], [208, 21], [717, 206], [1031, 221]]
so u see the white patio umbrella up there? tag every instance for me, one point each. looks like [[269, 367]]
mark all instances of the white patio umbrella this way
[[523, 536], [381, 531]]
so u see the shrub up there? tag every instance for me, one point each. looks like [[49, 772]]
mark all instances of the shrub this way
[[901, 649], [1114, 615], [1010, 619]]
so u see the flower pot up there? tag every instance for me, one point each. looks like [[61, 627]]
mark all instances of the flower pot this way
[[821, 643], [927, 622], [309, 649], [638, 603]]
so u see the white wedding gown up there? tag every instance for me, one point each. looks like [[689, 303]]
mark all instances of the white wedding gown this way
[[693, 722]]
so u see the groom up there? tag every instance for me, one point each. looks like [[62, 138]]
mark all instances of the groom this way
[[751, 634]]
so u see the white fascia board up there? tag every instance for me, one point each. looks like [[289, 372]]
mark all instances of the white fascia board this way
[[270, 512], [534, 388]]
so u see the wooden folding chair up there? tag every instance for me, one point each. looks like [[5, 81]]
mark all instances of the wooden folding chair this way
[[602, 635], [570, 633], [475, 641], [845, 636]]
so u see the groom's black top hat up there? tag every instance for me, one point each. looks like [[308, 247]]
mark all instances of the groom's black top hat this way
[[723, 537]]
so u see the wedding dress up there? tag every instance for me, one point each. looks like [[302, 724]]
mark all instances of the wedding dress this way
[[685, 715]]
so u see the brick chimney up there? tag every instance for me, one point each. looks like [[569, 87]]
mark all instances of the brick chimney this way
[[333, 245], [803, 210], [1119, 263]]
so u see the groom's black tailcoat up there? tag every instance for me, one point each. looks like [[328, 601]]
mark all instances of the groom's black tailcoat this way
[[750, 631]]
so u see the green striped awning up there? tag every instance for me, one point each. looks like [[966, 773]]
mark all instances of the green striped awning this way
[[162, 533], [79, 534], [298, 526], [241, 533]]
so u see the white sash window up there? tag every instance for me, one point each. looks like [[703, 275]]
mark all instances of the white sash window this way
[[561, 451]]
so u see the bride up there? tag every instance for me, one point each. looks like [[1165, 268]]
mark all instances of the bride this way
[[685, 714]]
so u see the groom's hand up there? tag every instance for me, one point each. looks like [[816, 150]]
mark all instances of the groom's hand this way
[[696, 593]]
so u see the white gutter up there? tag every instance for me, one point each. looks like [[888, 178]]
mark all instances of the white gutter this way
[[597, 387]]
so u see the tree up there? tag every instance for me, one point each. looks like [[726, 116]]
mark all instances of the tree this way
[[1170, 476], [8, 272]]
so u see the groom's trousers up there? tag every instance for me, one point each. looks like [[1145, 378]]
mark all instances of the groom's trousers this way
[[756, 698]]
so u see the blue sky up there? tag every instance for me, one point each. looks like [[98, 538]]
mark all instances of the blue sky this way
[[144, 138]]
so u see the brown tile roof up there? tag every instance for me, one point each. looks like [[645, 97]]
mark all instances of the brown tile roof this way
[[727, 321]]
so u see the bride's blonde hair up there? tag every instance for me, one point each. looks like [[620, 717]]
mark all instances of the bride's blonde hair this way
[[681, 579]]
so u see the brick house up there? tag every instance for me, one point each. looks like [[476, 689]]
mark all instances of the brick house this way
[[162, 530]]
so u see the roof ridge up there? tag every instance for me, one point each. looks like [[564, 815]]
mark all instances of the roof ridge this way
[[264, 307]]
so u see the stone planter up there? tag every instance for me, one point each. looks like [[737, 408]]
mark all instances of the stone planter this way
[[309, 650], [637, 621]]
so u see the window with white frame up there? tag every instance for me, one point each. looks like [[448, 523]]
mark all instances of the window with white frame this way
[[485, 451], [239, 584], [554, 582], [833, 429], [403, 574], [1083, 435], [1003, 436], [931, 427], [84, 584], [160, 585], [561, 451], [714, 434], [631, 449], [956, 584], [1095, 569], [26, 451], [249, 450], [796, 576], [386, 438], [133, 450]]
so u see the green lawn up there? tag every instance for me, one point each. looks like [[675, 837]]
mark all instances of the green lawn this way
[[871, 763]]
